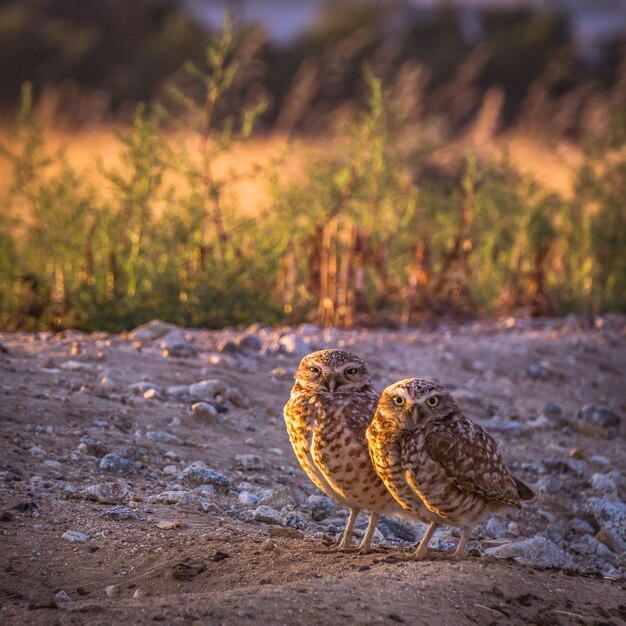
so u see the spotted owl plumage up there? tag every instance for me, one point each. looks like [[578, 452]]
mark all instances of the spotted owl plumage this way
[[438, 464], [331, 405]]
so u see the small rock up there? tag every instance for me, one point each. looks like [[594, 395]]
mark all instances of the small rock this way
[[537, 551], [321, 507], [138, 594], [295, 521], [198, 473], [548, 484], [204, 412], [611, 516], [600, 459], [250, 343], [597, 420], [112, 591], [141, 387], [293, 344], [552, 410], [209, 389], [165, 524], [37, 451], [174, 344], [117, 464], [183, 499], [179, 392], [538, 371], [580, 527], [152, 394], [279, 499], [119, 512], [107, 493], [393, 527], [74, 536], [151, 331], [498, 425], [249, 462], [495, 529], [248, 499], [603, 485], [169, 470], [281, 373], [163, 437], [228, 347], [267, 515], [62, 596]]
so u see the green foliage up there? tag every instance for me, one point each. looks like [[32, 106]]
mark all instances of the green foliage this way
[[369, 232]]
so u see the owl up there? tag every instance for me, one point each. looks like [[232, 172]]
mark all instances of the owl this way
[[438, 464], [331, 405]]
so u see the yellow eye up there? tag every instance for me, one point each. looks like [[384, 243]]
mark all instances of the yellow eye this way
[[433, 401], [314, 370], [351, 371], [398, 400]]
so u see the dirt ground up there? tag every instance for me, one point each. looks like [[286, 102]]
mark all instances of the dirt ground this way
[[136, 556]]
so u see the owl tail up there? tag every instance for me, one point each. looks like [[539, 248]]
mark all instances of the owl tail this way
[[523, 491]]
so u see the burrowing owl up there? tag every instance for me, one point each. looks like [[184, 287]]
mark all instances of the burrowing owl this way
[[436, 462], [331, 404]]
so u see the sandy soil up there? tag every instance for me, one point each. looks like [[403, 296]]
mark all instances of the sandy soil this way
[[67, 400]]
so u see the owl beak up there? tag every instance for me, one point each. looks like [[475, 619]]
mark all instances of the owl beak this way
[[332, 384], [415, 414]]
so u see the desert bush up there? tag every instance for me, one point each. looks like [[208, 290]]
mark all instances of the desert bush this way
[[375, 232]]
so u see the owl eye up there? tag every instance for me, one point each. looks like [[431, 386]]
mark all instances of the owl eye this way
[[398, 400], [433, 401], [351, 371], [314, 370]]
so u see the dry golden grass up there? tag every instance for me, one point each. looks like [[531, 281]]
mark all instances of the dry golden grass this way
[[552, 166]]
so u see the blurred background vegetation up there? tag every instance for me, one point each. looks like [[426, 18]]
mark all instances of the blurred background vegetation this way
[[341, 163]]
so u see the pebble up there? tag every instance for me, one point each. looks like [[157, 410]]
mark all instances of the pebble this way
[[119, 512], [182, 498], [602, 484], [295, 521], [281, 531], [161, 436], [495, 528], [107, 493], [142, 387], [174, 344], [112, 591], [321, 507], [498, 425], [279, 498], [228, 347], [62, 596], [393, 527], [37, 451], [537, 551], [248, 499], [597, 420], [268, 515], [250, 343], [291, 343], [169, 470], [538, 371], [74, 536], [611, 516], [117, 464], [152, 394], [198, 473], [249, 462], [552, 409], [208, 389], [205, 412], [150, 331], [580, 527]]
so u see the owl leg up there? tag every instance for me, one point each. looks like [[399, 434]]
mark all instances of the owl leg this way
[[365, 547], [422, 548], [460, 548], [347, 533], [344, 544]]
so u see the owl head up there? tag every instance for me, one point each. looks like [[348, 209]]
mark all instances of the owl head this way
[[412, 402], [332, 371]]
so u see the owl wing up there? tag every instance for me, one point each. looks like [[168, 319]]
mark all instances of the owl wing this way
[[471, 460]]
